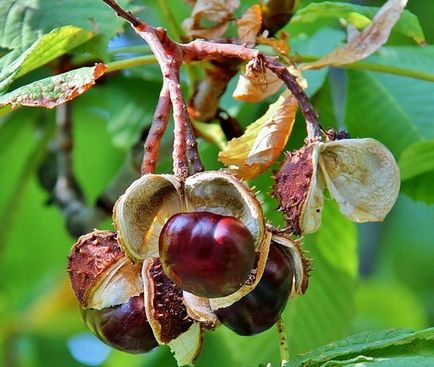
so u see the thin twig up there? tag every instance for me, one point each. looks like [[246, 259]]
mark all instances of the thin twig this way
[[158, 127], [192, 152], [283, 343], [170, 55]]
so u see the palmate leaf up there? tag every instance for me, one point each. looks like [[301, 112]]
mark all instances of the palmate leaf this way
[[45, 49], [359, 16], [50, 92], [386, 348], [24, 21], [396, 111]]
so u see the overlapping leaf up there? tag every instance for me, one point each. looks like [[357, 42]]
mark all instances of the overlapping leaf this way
[[363, 44], [45, 49], [50, 92], [217, 11], [249, 25], [359, 16], [263, 141], [24, 21]]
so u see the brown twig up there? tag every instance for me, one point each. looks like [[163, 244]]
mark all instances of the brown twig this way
[[158, 127], [163, 46]]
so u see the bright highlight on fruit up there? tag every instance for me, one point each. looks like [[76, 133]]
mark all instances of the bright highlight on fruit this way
[[206, 254]]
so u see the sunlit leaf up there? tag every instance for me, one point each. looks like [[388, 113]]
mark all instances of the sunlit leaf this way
[[24, 21], [249, 25], [50, 92], [47, 48], [363, 44], [263, 141]]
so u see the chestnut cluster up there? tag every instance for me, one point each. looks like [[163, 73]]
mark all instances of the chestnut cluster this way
[[206, 254]]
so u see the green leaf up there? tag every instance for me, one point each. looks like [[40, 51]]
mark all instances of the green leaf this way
[[359, 16], [45, 49], [23, 21], [417, 159], [52, 91], [417, 171], [396, 111], [398, 345], [326, 311], [412, 61]]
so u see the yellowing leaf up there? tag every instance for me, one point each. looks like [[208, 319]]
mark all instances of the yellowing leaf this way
[[249, 25], [263, 141], [362, 44]]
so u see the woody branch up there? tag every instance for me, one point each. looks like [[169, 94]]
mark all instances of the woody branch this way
[[170, 55]]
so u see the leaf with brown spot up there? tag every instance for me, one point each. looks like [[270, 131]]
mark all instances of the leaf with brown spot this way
[[362, 44], [249, 25], [55, 90], [263, 141]]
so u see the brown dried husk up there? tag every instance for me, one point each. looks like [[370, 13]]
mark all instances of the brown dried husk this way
[[167, 314], [299, 190]]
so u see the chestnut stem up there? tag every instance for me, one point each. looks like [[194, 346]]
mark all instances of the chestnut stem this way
[[158, 127], [170, 55], [283, 343]]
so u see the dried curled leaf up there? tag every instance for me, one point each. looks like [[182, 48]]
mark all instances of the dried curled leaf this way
[[362, 176], [217, 11], [263, 141], [362, 44], [249, 25], [254, 85]]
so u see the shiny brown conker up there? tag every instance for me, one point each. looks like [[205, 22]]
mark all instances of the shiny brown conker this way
[[206, 254], [124, 327], [261, 308]]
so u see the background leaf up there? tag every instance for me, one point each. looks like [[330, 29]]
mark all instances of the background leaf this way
[[359, 16], [387, 343], [47, 48]]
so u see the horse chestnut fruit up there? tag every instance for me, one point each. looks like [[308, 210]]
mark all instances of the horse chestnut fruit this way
[[124, 327], [261, 308], [206, 254]]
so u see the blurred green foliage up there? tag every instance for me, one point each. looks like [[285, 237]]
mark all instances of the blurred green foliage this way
[[367, 277]]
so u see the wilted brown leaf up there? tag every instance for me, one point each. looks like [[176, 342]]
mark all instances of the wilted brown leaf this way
[[263, 141], [254, 85], [217, 11], [249, 25], [362, 44], [50, 92]]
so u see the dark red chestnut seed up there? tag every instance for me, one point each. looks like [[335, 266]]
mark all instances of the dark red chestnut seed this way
[[124, 327], [206, 254], [261, 308]]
